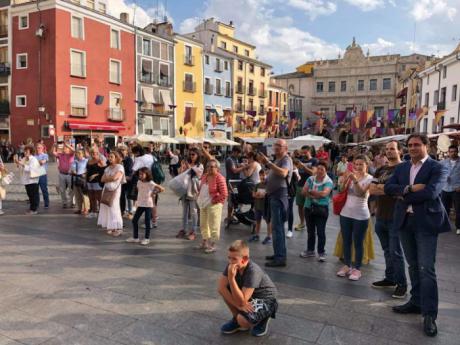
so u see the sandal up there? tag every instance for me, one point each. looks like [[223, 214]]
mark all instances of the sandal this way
[[203, 245], [210, 250], [181, 234], [109, 232], [191, 236], [117, 233]]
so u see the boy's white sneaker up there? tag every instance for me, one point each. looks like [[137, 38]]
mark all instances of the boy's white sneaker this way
[[145, 242]]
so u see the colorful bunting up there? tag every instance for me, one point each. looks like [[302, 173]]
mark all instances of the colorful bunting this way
[[438, 115]]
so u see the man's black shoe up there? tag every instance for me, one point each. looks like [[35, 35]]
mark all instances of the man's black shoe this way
[[400, 292], [385, 283], [270, 257], [275, 263], [407, 308], [429, 326]]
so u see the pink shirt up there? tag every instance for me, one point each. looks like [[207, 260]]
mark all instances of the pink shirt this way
[[144, 193], [65, 162], [414, 169]]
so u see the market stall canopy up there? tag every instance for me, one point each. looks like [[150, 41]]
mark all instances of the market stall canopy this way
[[455, 126], [221, 142], [383, 140], [187, 140], [253, 140], [312, 140], [164, 139], [141, 138]]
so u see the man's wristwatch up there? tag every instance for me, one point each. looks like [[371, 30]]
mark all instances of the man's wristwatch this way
[[409, 189]]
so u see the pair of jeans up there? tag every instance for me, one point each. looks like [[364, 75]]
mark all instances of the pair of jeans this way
[[316, 226], [420, 251], [125, 203], [290, 213], [189, 209], [43, 183], [34, 195], [449, 198], [148, 221], [392, 251], [353, 233], [278, 218]]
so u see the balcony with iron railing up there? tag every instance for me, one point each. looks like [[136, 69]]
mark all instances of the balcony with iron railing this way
[[218, 91], [238, 108], [261, 111], [228, 92], [155, 109], [441, 105], [252, 91], [239, 89], [116, 114], [78, 110], [218, 67], [5, 69], [208, 89], [3, 30], [263, 94], [147, 78], [250, 108], [189, 60], [4, 122], [189, 86], [164, 81], [4, 107]]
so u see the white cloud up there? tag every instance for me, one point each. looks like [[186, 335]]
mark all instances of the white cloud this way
[[189, 25], [380, 47], [367, 5], [142, 16], [314, 8], [279, 42], [425, 9]]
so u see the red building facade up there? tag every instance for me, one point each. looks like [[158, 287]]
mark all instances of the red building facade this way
[[74, 71]]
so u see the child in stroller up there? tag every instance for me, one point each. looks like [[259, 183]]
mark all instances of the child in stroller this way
[[241, 193]]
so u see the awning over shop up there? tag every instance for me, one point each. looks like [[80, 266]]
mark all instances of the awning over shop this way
[[95, 126], [147, 95], [166, 97]]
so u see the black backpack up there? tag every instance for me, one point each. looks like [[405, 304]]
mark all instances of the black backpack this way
[[292, 185]]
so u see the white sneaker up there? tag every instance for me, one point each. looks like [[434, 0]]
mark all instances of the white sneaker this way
[[145, 242], [289, 234], [458, 231], [2, 212], [132, 240]]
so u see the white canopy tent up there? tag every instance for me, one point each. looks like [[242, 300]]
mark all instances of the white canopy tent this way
[[312, 140], [379, 141]]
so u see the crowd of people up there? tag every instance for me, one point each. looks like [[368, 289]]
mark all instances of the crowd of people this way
[[409, 193]]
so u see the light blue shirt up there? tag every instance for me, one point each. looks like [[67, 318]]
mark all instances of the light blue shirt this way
[[453, 177], [79, 167], [43, 157]]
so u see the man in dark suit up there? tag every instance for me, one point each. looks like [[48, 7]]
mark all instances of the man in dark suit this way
[[420, 216]]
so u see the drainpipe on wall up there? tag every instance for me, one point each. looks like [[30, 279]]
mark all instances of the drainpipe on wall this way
[[438, 68], [457, 56]]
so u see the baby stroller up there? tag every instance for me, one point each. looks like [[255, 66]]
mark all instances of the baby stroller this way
[[241, 196]]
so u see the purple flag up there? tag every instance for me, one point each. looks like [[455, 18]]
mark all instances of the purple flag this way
[[340, 116], [412, 116]]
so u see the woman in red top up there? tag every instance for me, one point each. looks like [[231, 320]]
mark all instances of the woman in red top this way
[[322, 155], [211, 199]]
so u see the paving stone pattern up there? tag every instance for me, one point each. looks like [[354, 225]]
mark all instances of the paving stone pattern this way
[[63, 281]]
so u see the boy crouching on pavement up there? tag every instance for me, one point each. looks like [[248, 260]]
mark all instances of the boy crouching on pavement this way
[[248, 292]]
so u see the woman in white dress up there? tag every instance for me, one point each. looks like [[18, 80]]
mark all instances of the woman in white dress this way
[[110, 217]]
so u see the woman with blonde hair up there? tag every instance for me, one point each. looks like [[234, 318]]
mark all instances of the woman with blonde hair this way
[[110, 216]]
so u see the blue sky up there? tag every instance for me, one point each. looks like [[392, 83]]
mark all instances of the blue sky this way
[[288, 33]]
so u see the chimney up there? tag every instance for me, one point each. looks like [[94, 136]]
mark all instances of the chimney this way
[[124, 17], [231, 23]]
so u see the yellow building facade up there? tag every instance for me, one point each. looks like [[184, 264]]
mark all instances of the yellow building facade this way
[[251, 77], [188, 88]]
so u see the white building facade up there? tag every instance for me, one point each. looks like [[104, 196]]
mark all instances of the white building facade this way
[[441, 91]]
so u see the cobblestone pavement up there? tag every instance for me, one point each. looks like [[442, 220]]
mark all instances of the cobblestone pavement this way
[[63, 281]]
